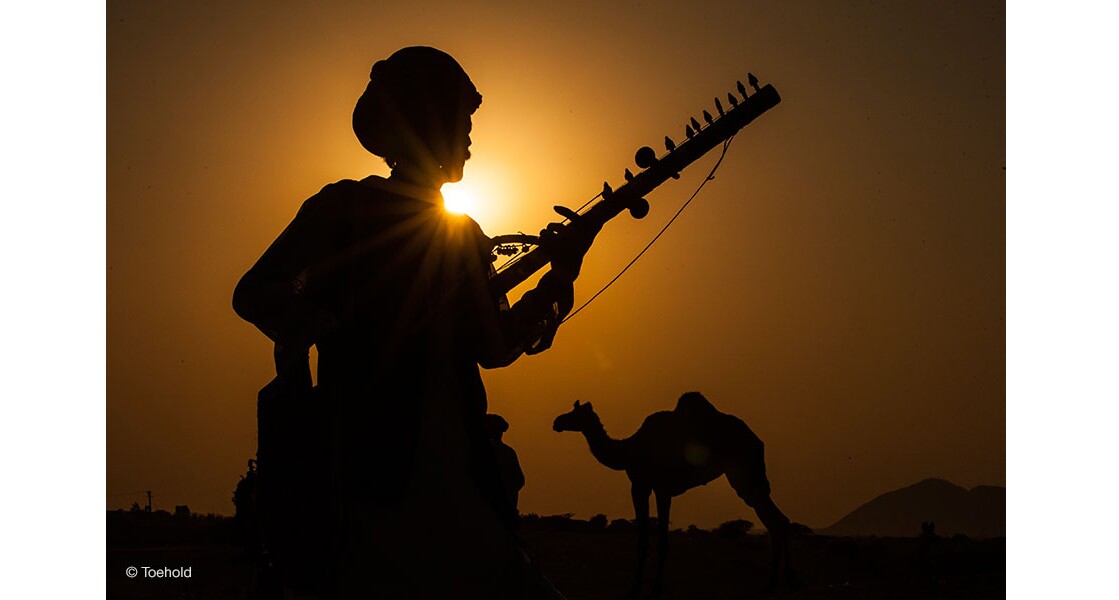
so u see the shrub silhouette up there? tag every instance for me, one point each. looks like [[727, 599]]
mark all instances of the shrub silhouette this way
[[734, 529], [620, 525], [597, 522]]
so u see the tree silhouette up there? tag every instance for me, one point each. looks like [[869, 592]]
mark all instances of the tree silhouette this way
[[598, 522], [734, 529]]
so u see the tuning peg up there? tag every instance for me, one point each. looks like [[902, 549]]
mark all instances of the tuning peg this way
[[607, 191], [707, 118], [669, 144], [645, 157], [742, 89], [753, 81], [695, 124], [628, 175], [639, 208], [688, 132], [733, 100], [719, 107]]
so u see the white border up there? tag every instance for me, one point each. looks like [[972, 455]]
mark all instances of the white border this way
[[1061, 299], [52, 236]]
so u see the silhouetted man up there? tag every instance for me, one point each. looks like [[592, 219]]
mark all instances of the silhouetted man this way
[[512, 478], [394, 292]]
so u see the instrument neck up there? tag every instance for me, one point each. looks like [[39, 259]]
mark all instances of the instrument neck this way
[[635, 188]]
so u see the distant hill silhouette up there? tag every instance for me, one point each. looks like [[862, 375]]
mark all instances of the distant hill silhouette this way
[[978, 513]]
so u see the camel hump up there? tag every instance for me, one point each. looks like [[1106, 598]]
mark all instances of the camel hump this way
[[722, 430], [694, 405]]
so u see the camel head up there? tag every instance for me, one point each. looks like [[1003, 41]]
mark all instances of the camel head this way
[[579, 419]]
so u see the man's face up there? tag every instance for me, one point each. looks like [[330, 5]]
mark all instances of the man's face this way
[[459, 150]]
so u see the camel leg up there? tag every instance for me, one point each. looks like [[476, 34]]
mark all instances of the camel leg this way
[[778, 525], [754, 491], [640, 496], [664, 505]]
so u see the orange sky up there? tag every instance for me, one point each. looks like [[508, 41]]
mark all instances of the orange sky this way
[[839, 286]]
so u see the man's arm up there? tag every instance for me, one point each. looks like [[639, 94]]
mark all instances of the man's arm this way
[[273, 294], [529, 326]]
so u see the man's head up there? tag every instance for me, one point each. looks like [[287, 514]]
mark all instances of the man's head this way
[[496, 426], [415, 112]]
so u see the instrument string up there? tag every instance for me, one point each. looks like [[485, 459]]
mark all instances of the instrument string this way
[[523, 249], [710, 176]]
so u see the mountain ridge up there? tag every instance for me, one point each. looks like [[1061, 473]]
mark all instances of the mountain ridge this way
[[979, 512]]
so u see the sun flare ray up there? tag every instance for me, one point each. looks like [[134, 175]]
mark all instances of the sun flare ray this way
[[460, 198]]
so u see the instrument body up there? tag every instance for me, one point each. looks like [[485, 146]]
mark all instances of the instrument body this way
[[630, 195]]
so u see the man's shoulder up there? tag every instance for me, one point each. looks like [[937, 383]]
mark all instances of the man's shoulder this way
[[330, 195], [358, 198]]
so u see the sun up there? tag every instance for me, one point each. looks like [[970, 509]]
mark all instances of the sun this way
[[460, 198], [481, 195]]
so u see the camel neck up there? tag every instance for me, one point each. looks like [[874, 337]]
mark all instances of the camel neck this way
[[608, 451]]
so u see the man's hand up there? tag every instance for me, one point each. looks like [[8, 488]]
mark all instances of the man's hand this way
[[569, 242], [556, 296]]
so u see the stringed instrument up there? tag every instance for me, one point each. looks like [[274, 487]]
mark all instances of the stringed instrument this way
[[699, 140]]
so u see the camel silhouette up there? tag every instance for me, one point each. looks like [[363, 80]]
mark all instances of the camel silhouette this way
[[675, 451]]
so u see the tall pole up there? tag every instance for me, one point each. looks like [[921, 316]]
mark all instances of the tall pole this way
[[149, 509]]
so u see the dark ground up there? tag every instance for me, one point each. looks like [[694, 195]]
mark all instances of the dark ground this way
[[593, 564]]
